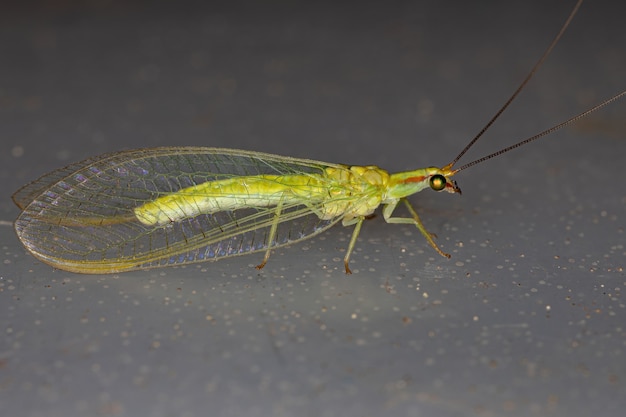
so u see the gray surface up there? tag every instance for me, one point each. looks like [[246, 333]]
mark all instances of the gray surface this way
[[528, 316]]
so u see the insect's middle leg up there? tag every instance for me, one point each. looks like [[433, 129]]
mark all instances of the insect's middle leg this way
[[388, 210], [355, 235]]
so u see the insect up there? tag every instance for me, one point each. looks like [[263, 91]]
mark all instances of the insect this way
[[158, 207]]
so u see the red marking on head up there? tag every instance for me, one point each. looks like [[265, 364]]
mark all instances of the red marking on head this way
[[415, 179]]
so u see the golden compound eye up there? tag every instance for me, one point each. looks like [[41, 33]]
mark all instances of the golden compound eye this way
[[438, 182]]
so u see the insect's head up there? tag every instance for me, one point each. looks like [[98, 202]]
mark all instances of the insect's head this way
[[440, 179]]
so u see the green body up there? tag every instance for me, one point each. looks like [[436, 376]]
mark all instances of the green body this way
[[351, 192]]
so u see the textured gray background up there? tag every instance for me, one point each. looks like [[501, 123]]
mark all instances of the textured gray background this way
[[527, 318]]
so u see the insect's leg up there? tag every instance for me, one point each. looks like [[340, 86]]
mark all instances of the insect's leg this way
[[388, 210], [272, 234], [355, 234]]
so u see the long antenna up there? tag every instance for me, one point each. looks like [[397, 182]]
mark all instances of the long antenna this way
[[521, 86], [544, 133]]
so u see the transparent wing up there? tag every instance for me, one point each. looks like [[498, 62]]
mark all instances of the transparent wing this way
[[25, 195], [80, 218]]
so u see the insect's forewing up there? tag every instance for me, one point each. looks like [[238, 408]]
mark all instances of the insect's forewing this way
[[25, 195], [80, 218]]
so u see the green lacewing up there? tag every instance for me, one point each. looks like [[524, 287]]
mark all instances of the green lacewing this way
[[158, 207]]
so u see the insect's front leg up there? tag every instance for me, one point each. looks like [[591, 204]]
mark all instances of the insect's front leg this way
[[388, 211]]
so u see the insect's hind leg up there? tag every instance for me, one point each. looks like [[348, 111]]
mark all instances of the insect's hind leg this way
[[272, 235]]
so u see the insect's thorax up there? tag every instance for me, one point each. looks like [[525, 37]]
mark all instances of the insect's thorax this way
[[357, 192]]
